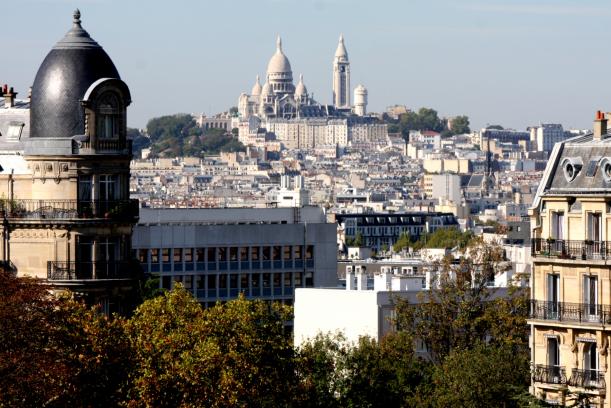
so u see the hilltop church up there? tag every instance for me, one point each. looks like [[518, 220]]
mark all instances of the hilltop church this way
[[279, 98]]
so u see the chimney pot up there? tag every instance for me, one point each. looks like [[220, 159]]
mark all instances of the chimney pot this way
[[600, 126]]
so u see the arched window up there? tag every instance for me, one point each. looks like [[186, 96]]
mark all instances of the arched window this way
[[108, 112]]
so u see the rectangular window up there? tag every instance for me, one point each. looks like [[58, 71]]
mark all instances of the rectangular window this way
[[244, 254], [557, 226], [287, 279], [177, 255], [233, 254], [188, 282], [254, 253], [165, 255], [222, 281], [594, 226], [310, 252], [222, 254], [267, 253], [233, 281], [244, 282], [553, 353], [199, 254], [590, 295], [277, 278], [212, 254], [199, 281], [298, 279], [266, 280], [277, 253], [154, 255], [298, 252], [188, 252], [309, 280], [109, 187], [84, 188], [553, 295], [288, 253], [211, 282]]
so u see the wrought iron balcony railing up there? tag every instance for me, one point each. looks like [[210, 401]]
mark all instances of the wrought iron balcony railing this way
[[69, 209], [99, 270], [592, 379], [570, 249], [570, 312], [103, 145], [549, 374]]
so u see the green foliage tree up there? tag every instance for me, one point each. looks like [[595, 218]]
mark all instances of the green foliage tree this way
[[233, 354], [481, 376], [403, 242], [55, 352], [334, 373], [444, 238], [460, 310], [460, 125]]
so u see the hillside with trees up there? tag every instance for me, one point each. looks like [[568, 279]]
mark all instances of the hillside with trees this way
[[179, 135]]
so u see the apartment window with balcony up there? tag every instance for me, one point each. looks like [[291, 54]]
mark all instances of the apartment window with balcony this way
[[188, 255], [177, 255], [590, 296], [154, 255], [109, 187], [594, 226], [553, 295], [165, 255], [553, 359], [557, 227], [590, 364]]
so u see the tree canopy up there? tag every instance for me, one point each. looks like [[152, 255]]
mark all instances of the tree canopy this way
[[179, 135]]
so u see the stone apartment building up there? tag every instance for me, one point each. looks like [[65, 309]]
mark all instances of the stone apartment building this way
[[570, 313], [64, 179]]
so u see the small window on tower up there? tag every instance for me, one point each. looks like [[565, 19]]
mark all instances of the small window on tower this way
[[108, 116]]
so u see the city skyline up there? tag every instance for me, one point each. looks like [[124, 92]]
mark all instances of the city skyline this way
[[514, 64]]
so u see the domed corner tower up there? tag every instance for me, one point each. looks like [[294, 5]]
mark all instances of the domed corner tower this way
[[70, 222]]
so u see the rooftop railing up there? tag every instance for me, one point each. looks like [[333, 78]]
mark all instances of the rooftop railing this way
[[69, 209], [99, 270], [570, 249], [570, 312]]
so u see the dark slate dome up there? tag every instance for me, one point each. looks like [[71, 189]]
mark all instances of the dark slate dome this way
[[69, 69]]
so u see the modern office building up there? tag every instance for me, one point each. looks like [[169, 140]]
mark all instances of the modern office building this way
[[64, 175], [218, 253], [570, 313]]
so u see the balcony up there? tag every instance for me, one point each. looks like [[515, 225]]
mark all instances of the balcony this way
[[590, 379], [570, 312], [549, 374], [123, 146], [124, 210], [99, 270], [570, 249]]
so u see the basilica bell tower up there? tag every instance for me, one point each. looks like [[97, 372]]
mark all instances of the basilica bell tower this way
[[341, 76]]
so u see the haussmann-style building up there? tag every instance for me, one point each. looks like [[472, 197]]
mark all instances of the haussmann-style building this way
[[64, 180], [570, 315]]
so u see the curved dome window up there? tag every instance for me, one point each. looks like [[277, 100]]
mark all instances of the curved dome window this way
[[108, 111], [571, 167]]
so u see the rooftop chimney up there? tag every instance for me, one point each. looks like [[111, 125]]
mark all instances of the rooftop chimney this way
[[9, 96], [600, 126]]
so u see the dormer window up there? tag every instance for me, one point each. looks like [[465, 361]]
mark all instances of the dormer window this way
[[14, 131], [108, 114]]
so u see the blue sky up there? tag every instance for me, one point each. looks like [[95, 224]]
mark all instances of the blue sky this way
[[512, 62]]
